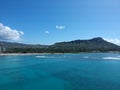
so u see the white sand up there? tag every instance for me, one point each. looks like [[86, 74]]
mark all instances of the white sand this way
[[12, 54]]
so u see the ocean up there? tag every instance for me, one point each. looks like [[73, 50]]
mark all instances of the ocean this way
[[84, 71]]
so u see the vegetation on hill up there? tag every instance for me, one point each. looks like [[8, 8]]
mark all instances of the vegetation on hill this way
[[92, 45]]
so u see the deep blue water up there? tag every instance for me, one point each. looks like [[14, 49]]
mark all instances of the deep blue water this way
[[89, 71]]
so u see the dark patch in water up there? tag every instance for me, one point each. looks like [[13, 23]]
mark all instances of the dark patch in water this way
[[74, 81]]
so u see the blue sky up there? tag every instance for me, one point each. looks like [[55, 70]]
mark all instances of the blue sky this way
[[50, 21]]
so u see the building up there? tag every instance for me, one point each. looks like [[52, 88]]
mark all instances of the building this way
[[2, 49]]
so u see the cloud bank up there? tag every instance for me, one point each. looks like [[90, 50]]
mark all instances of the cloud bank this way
[[115, 41], [59, 27], [8, 34]]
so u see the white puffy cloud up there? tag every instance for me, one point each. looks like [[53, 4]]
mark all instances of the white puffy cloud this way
[[6, 33], [60, 27], [47, 32], [115, 40]]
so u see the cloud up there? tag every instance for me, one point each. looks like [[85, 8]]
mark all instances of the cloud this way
[[115, 41], [59, 27], [47, 32], [8, 34]]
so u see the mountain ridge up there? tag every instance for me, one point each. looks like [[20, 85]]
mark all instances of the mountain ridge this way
[[97, 44]]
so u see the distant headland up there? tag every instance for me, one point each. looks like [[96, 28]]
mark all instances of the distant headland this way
[[97, 44]]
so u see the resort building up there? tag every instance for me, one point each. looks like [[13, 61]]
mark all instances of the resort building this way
[[2, 49]]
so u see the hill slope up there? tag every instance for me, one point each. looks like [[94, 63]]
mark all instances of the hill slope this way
[[95, 44], [19, 45], [91, 45]]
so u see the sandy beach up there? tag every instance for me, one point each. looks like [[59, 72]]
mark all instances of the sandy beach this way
[[12, 54]]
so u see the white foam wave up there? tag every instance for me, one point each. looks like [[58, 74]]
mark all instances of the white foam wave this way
[[40, 56], [113, 58], [86, 57], [118, 56]]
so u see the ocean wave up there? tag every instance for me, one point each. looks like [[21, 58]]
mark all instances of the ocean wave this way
[[118, 56], [86, 57], [113, 58], [40, 56]]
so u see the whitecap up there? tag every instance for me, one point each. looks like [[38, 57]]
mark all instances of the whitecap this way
[[118, 56], [113, 58], [40, 56], [86, 57]]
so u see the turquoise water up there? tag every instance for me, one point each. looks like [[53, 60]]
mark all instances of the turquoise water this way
[[90, 71]]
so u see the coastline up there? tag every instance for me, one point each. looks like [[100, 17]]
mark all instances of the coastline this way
[[14, 54]]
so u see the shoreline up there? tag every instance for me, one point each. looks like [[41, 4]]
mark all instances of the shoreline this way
[[13, 54]]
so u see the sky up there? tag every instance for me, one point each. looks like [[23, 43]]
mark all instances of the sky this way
[[49, 21]]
